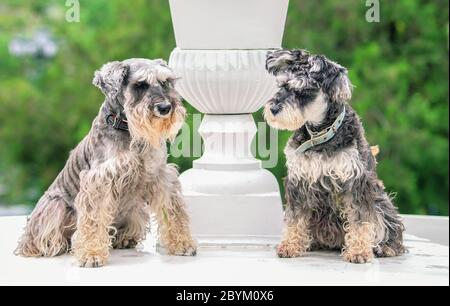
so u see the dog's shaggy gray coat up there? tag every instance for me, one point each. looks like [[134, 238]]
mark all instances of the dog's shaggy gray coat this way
[[334, 197], [115, 178]]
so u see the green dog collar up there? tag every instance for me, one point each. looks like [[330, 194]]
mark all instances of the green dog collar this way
[[323, 136]]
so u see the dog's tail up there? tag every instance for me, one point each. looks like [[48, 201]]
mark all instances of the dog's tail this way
[[375, 150], [48, 229]]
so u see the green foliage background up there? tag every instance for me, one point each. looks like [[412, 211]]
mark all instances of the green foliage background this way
[[399, 66]]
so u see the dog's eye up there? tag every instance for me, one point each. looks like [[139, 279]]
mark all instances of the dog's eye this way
[[306, 94], [165, 85], [141, 85], [281, 83], [281, 80]]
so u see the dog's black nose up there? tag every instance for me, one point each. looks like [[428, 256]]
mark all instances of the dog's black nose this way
[[164, 108], [275, 109]]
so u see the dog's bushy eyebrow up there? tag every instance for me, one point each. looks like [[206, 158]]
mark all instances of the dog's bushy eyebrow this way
[[154, 75], [286, 60], [319, 65], [302, 81]]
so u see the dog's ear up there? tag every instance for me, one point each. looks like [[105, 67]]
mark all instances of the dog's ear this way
[[285, 60], [334, 78], [341, 88], [110, 78]]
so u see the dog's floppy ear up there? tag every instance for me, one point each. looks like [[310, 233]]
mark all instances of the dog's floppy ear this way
[[285, 60], [336, 82], [341, 89], [110, 78]]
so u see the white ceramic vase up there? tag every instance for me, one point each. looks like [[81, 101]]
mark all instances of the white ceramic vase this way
[[220, 57], [228, 24]]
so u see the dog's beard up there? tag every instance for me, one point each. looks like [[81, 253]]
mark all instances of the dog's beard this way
[[176, 122], [290, 118], [145, 126]]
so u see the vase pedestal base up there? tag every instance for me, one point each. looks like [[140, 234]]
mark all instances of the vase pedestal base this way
[[231, 199], [245, 219]]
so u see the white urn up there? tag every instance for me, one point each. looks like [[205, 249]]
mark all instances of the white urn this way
[[228, 24], [220, 57]]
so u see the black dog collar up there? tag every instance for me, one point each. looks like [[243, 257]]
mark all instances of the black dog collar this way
[[119, 122]]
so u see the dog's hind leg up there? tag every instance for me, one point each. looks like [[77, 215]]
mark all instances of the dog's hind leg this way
[[134, 229], [392, 243], [364, 215], [170, 211], [360, 232], [48, 229]]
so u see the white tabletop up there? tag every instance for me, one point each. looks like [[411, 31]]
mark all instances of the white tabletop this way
[[426, 264]]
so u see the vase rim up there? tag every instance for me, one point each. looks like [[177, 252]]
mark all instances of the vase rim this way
[[229, 24]]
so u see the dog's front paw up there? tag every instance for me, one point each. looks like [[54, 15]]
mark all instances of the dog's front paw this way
[[359, 257], [92, 261], [190, 251], [184, 249], [287, 250]]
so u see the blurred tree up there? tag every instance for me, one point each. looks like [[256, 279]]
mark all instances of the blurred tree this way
[[399, 67]]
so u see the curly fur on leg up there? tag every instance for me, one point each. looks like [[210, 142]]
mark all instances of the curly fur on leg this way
[[359, 242], [48, 229], [97, 203], [297, 238], [360, 234], [174, 232], [173, 221]]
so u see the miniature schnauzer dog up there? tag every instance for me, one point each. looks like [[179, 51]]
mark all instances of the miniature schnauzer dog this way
[[334, 197], [117, 175]]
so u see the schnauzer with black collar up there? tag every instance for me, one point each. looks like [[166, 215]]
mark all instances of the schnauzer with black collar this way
[[334, 197], [117, 175]]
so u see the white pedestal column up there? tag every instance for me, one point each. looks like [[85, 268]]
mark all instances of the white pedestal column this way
[[231, 199], [221, 56]]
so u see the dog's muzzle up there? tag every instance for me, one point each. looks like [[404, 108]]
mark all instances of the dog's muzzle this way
[[163, 109], [275, 109]]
